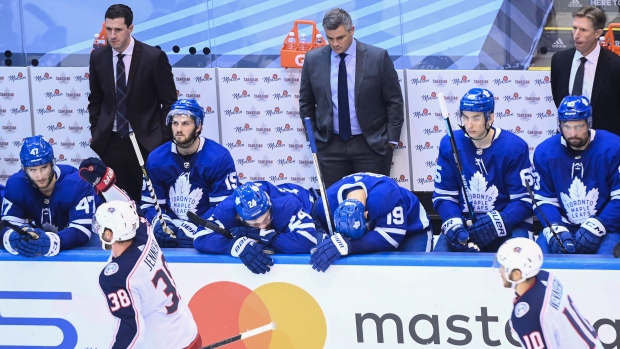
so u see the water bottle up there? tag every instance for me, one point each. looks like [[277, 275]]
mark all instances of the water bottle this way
[[303, 42], [318, 41], [291, 43], [98, 43]]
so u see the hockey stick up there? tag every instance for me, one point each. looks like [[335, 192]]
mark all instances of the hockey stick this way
[[617, 250], [243, 335], [149, 185], [308, 124], [196, 219], [542, 214], [18, 230], [457, 158]]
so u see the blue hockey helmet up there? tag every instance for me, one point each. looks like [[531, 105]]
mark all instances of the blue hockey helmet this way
[[36, 151], [251, 201], [350, 219], [478, 100], [187, 107], [574, 108]]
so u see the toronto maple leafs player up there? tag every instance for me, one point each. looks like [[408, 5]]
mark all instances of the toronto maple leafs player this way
[[496, 165], [579, 183], [50, 204], [263, 218], [371, 213], [190, 173], [544, 315], [138, 286]]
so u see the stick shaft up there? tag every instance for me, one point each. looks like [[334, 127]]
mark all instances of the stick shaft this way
[[542, 214], [243, 335], [196, 219]]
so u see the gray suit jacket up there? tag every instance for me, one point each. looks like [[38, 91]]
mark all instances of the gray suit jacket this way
[[378, 98]]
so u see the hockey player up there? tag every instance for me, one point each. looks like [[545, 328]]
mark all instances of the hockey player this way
[[138, 286], [264, 219], [50, 204], [371, 213], [544, 315], [190, 173], [579, 183], [496, 165]]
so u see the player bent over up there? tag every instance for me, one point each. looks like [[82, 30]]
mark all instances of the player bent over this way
[[49, 207], [544, 315], [264, 219], [138, 286], [579, 191], [496, 166], [189, 173], [371, 213]]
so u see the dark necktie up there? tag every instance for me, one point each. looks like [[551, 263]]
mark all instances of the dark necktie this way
[[578, 84], [122, 123], [344, 118]]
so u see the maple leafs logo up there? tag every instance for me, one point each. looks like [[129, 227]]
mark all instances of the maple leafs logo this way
[[183, 198], [482, 198], [580, 204]]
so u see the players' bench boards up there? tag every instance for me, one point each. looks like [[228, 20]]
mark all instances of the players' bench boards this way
[[384, 300]]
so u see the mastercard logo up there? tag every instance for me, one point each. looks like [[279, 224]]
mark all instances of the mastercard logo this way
[[225, 309]]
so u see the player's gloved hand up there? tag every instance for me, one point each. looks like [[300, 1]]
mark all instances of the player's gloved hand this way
[[164, 239], [95, 172], [238, 232], [329, 251], [24, 243], [589, 236], [564, 235], [487, 228], [457, 235], [186, 232], [251, 254]]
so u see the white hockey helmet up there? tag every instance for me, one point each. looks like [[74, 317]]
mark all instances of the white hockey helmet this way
[[522, 254], [118, 216]]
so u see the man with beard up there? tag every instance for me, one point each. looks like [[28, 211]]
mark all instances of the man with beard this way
[[49, 207], [579, 184], [190, 173]]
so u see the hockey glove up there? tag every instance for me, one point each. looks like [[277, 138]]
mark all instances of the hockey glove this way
[[457, 235], [564, 235], [329, 251], [164, 239], [589, 236], [251, 254], [185, 234], [487, 228], [95, 172], [47, 244], [238, 232]]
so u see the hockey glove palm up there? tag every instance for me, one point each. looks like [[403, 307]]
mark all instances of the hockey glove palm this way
[[487, 228], [251, 254], [164, 239], [23, 243], [95, 172], [564, 235], [457, 235], [329, 251], [589, 236]]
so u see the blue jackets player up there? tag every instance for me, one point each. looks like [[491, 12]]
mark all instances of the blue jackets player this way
[[190, 173], [579, 183], [371, 213], [496, 165], [49, 202], [544, 314], [138, 286], [263, 218]]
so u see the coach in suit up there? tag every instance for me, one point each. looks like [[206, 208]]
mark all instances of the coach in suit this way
[[351, 92], [132, 91], [597, 78]]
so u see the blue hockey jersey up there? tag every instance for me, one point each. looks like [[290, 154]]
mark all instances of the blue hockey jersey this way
[[68, 211], [495, 178], [393, 212], [577, 185], [545, 317], [291, 209], [197, 185]]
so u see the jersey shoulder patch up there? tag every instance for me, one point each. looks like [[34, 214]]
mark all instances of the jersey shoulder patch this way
[[521, 309], [110, 269]]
